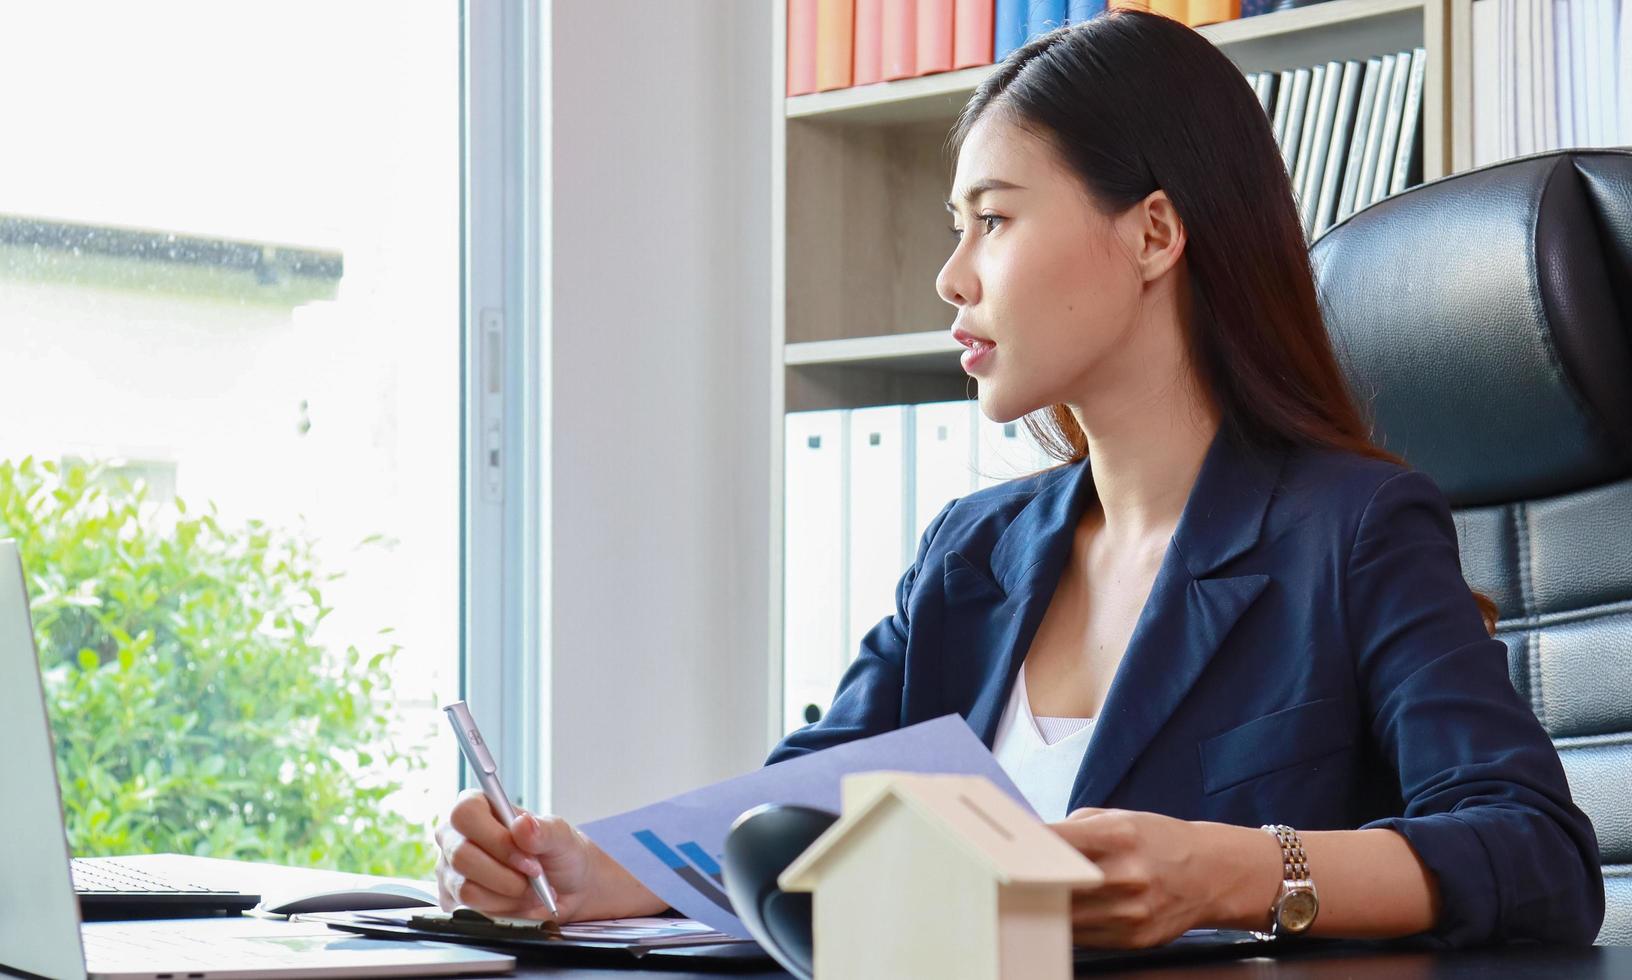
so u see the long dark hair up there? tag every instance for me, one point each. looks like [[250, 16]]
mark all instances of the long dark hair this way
[[1135, 102]]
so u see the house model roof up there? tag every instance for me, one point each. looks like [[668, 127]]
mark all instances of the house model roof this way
[[992, 828]]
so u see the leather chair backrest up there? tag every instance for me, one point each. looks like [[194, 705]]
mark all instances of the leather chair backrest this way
[[1484, 320]]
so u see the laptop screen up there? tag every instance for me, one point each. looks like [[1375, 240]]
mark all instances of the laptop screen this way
[[39, 915]]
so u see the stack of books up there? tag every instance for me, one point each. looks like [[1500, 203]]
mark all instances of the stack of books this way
[[835, 44], [1349, 132], [859, 488], [1549, 74]]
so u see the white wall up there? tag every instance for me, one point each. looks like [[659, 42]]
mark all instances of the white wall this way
[[658, 400]]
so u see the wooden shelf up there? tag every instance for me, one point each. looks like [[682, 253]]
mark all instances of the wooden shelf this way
[[931, 351], [858, 230], [1330, 31]]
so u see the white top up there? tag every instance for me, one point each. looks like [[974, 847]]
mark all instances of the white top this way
[[1041, 755]]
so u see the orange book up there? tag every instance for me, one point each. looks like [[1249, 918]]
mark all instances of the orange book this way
[[1178, 10], [972, 33], [869, 42], [801, 46], [1212, 11], [899, 46], [835, 33], [934, 37], [1174, 9]]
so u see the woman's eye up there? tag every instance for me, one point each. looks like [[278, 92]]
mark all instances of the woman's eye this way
[[988, 218]]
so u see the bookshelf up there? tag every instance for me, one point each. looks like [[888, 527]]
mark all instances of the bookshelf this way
[[858, 177]]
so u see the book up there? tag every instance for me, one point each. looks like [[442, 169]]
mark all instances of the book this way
[[943, 456], [1338, 146], [1201, 12], [1407, 170], [1505, 113], [1604, 87], [1257, 81], [1546, 84], [1294, 117], [1283, 100], [1485, 23], [1580, 104], [835, 30], [1357, 142], [1043, 16], [1374, 134], [1008, 26], [1623, 72], [1319, 147], [1524, 77], [878, 539], [869, 44], [813, 650], [1391, 126], [1306, 132], [1564, 90], [1077, 11], [1004, 451], [971, 33], [898, 38], [1178, 10], [801, 47], [934, 45]]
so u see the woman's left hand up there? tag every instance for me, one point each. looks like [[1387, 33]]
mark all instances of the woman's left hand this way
[[1162, 876]]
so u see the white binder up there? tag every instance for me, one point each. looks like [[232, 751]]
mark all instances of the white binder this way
[[943, 459], [878, 532], [1006, 451], [813, 641]]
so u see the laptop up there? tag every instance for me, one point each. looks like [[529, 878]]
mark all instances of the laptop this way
[[41, 931], [111, 888]]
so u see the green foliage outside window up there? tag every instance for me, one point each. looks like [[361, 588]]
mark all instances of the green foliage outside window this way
[[194, 708]]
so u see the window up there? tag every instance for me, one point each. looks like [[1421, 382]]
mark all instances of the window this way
[[230, 328]]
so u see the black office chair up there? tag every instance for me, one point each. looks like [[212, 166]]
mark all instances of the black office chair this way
[[1485, 317]]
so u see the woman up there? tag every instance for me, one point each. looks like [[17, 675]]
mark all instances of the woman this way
[[1228, 610]]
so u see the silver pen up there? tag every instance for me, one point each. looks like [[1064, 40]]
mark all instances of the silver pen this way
[[487, 773]]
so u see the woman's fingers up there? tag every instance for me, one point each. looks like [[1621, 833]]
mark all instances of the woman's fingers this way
[[473, 819]]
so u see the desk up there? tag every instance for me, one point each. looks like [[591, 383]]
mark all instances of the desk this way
[[1353, 962]]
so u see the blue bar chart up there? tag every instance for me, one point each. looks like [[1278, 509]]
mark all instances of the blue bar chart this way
[[702, 873]]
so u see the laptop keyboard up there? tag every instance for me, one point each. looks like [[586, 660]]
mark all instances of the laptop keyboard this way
[[111, 876]]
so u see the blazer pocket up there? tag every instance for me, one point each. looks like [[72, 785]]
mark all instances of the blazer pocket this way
[[1279, 740]]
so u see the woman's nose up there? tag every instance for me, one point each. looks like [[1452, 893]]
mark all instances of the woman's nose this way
[[954, 283]]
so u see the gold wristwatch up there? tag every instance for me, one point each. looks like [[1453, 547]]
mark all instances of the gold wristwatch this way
[[1296, 904]]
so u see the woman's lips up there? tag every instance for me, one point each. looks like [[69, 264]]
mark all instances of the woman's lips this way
[[978, 350]]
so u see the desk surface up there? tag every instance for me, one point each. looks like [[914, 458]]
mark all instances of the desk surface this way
[[1329, 964], [1354, 962]]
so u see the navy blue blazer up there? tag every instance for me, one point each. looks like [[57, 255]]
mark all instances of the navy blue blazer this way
[[1309, 654]]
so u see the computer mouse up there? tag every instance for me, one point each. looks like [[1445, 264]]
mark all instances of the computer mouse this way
[[760, 845], [354, 899]]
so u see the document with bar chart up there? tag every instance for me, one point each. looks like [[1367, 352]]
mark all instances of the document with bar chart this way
[[675, 847]]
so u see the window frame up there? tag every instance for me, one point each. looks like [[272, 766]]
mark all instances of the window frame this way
[[504, 584]]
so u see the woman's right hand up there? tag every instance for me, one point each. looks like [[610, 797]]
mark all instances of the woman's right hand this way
[[483, 864]]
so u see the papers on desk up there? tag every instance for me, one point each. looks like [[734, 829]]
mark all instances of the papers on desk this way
[[634, 934], [675, 847]]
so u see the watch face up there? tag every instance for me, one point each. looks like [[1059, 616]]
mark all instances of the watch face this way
[[1298, 909]]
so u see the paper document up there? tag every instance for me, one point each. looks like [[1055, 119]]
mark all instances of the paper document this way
[[676, 847]]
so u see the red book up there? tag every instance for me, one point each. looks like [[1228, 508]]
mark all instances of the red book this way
[[835, 33], [972, 33], [900, 38], [869, 42], [801, 46], [934, 37]]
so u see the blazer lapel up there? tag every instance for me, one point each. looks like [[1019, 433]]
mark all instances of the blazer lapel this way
[[993, 616], [1188, 613]]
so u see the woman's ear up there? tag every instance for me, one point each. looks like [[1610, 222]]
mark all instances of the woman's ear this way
[[1160, 235]]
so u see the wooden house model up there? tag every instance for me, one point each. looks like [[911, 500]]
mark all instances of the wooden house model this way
[[938, 876]]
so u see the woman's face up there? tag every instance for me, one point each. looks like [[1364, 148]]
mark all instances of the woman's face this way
[[1046, 287]]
